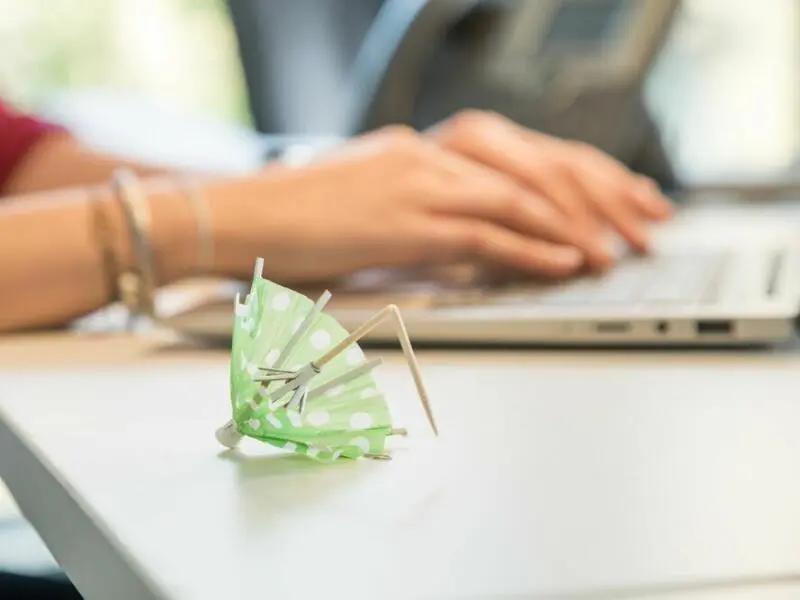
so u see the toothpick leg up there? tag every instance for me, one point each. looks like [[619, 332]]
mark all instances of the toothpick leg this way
[[390, 312]]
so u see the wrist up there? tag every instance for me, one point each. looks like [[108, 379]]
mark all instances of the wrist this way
[[173, 236], [239, 231], [176, 247]]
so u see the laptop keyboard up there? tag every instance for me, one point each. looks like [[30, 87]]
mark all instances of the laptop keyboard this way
[[669, 279]]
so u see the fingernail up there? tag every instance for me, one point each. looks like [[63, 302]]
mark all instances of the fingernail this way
[[642, 243], [666, 206], [651, 197], [659, 204]]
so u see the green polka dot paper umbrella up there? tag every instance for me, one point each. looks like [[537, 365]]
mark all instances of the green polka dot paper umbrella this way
[[299, 380]]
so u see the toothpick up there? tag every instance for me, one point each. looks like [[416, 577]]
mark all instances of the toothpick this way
[[389, 312], [353, 373]]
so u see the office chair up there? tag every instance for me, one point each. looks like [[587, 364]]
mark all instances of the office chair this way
[[423, 60], [342, 68], [296, 57]]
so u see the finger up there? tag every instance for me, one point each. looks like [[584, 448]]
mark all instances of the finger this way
[[501, 147], [608, 187], [614, 192], [610, 201], [532, 216], [488, 137], [639, 191], [480, 192], [551, 182], [454, 239], [649, 200]]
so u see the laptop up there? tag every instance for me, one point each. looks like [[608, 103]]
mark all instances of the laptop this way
[[717, 277]]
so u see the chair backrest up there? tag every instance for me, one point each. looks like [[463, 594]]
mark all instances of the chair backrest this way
[[573, 68], [386, 79], [296, 56]]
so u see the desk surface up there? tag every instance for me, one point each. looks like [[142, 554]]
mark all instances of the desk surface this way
[[565, 473]]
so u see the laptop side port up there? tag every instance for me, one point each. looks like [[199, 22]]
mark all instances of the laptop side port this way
[[714, 327], [613, 327]]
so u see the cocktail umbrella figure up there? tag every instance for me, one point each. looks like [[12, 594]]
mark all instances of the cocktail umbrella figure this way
[[300, 381]]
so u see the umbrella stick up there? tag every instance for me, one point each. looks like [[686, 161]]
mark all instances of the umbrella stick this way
[[390, 312]]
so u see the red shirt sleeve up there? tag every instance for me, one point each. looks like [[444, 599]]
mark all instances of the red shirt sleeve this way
[[18, 134]]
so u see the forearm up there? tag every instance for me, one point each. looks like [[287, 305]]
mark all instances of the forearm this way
[[59, 161], [51, 265]]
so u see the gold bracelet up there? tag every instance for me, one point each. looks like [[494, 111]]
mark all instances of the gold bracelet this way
[[136, 287], [104, 237], [202, 213]]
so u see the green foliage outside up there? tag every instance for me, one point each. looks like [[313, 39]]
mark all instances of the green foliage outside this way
[[180, 52]]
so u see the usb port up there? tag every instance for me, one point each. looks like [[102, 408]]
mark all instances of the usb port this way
[[613, 327], [714, 327]]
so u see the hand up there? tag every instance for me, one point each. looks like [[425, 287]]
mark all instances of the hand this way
[[581, 182], [390, 199]]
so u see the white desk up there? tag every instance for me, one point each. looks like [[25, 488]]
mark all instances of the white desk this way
[[555, 473]]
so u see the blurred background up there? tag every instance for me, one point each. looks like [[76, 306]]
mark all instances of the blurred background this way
[[724, 89], [178, 52]]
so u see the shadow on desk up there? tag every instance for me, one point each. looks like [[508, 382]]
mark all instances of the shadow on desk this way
[[56, 587]]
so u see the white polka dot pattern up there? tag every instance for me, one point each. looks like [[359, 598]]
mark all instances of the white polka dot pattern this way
[[349, 419], [318, 418], [335, 391], [360, 421], [362, 443], [320, 339], [354, 356], [281, 302]]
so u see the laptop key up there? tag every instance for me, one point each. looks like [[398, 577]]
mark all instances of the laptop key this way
[[664, 279], [620, 286]]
